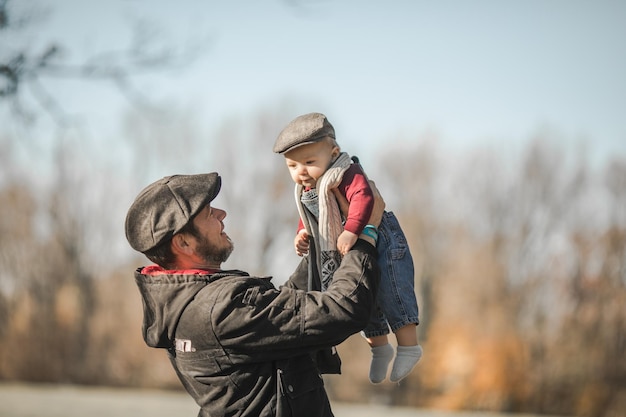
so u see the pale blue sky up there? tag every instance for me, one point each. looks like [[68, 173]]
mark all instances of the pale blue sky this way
[[472, 72]]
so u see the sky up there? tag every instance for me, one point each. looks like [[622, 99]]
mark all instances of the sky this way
[[469, 72]]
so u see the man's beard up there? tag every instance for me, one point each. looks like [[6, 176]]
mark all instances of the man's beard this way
[[212, 253]]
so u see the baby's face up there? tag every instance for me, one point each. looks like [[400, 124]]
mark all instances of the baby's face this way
[[307, 163]]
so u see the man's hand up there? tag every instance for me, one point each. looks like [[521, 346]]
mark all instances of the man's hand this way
[[375, 217], [377, 211], [379, 206], [301, 243]]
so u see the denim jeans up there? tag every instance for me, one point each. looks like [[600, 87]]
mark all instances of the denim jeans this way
[[396, 301]]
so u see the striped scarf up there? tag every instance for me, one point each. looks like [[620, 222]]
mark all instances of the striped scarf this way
[[329, 223]]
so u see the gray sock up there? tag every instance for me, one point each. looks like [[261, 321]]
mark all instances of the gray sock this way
[[381, 357], [406, 359]]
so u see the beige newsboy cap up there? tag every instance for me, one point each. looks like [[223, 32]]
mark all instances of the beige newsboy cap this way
[[164, 207], [305, 129]]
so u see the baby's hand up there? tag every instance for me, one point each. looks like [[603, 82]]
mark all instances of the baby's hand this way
[[345, 241], [301, 243]]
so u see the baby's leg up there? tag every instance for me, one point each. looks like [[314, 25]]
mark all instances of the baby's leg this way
[[408, 353], [407, 335], [382, 354], [396, 294]]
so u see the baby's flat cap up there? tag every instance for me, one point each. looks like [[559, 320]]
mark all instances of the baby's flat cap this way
[[305, 129]]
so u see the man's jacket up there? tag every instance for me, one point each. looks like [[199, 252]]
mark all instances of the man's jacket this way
[[242, 347]]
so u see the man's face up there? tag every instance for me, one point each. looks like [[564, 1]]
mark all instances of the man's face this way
[[212, 244]]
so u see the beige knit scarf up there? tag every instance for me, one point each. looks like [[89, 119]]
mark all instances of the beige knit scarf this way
[[330, 221]]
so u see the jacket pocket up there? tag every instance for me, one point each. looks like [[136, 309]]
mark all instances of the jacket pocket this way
[[301, 389], [328, 361]]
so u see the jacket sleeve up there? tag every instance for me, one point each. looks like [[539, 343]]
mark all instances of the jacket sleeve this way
[[278, 323], [299, 279]]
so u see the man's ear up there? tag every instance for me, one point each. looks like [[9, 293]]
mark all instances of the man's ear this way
[[180, 243]]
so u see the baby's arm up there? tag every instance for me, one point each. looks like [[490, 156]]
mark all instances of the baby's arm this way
[[301, 243], [356, 201], [345, 241]]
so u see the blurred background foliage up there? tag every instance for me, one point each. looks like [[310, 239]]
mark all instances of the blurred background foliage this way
[[521, 260]]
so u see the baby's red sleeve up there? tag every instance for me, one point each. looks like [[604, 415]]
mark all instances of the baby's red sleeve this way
[[300, 226], [358, 192]]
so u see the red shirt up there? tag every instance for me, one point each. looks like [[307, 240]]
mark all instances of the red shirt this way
[[157, 270]]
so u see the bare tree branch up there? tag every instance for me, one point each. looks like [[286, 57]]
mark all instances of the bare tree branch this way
[[146, 53]]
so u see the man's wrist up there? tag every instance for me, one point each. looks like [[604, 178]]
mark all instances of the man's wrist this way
[[370, 234], [366, 243], [367, 239]]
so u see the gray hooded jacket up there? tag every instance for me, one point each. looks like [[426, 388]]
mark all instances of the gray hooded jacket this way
[[242, 347]]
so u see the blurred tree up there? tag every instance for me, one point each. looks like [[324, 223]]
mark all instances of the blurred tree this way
[[21, 67], [258, 194], [58, 228], [524, 260]]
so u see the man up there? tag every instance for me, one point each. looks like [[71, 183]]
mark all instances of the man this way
[[240, 346]]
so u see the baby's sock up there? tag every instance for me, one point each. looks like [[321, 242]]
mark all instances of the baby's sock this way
[[381, 357], [406, 358]]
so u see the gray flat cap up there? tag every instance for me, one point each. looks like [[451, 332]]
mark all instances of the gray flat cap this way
[[164, 207], [305, 129]]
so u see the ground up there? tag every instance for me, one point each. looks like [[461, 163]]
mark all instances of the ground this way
[[17, 400]]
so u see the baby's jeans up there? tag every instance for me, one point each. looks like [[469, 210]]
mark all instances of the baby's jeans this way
[[396, 302]]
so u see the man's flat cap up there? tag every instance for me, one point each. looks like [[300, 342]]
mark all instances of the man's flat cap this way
[[305, 129], [164, 207]]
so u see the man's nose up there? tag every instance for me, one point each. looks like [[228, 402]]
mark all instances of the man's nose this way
[[221, 214]]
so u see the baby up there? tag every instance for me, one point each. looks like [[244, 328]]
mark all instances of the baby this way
[[319, 168]]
